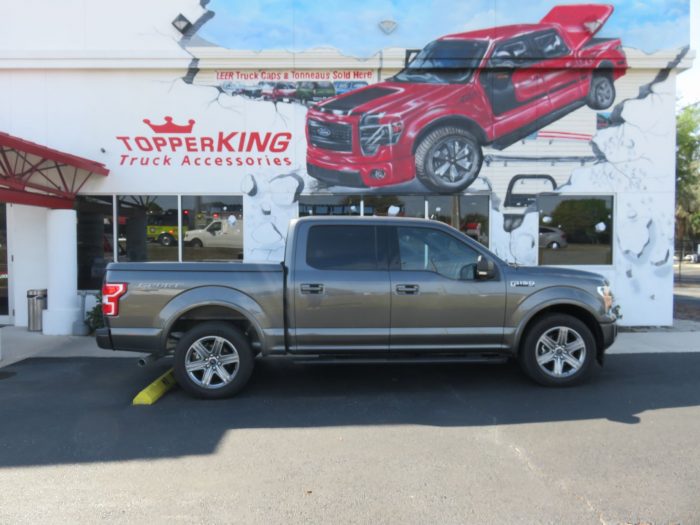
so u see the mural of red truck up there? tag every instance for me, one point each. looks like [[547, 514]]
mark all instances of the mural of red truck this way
[[490, 87]]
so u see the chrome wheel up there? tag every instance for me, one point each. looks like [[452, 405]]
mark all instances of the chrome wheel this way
[[211, 362], [560, 352], [604, 93], [453, 161]]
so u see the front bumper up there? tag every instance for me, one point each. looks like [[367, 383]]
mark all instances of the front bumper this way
[[346, 169], [609, 334]]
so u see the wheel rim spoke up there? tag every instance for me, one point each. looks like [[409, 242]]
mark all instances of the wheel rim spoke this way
[[545, 358], [207, 376], [201, 349], [228, 359], [442, 169], [218, 345], [571, 361], [575, 346], [195, 366], [223, 374], [563, 335], [558, 367]]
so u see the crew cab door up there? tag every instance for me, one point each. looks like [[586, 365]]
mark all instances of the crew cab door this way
[[513, 86], [341, 289], [562, 80], [438, 302]]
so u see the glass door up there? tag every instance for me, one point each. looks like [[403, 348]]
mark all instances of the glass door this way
[[4, 275]]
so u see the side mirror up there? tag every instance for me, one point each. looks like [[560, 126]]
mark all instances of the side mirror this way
[[484, 268]]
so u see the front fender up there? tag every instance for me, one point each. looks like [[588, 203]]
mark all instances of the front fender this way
[[213, 296], [546, 298]]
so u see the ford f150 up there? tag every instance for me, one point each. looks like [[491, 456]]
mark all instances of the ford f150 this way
[[359, 289], [461, 92]]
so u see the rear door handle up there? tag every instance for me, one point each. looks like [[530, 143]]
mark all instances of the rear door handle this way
[[407, 289], [312, 288]]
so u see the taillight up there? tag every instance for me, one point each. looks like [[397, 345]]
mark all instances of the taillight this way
[[111, 292]]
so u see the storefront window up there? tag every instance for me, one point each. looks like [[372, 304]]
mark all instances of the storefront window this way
[[575, 229], [148, 228], [329, 205], [95, 240], [467, 213], [394, 206], [212, 228]]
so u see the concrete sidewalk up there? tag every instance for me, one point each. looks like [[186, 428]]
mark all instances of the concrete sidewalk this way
[[17, 343]]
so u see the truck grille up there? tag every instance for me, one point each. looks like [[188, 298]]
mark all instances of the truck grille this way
[[330, 135]]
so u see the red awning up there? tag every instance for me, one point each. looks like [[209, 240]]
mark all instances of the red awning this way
[[40, 176]]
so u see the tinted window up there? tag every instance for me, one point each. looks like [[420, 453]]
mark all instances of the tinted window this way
[[436, 251], [511, 53], [549, 45], [342, 248]]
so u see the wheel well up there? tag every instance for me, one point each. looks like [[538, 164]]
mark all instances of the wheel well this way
[[200, 314], [605, 68], [579, 313], [459, 122]]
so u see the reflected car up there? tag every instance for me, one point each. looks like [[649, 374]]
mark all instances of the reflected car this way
[[314, 91], [342, 87], [218, 234], [249, 91], [284, 91], [552, 238]]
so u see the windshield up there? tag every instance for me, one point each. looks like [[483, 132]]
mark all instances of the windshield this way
[[444, 62]]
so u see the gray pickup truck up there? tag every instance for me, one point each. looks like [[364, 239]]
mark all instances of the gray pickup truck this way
[[359, 290]]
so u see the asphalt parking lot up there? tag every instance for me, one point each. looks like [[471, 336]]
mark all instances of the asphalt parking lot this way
[[353, 444]]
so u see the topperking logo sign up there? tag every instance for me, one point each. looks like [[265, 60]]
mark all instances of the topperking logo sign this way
[[171, 144]]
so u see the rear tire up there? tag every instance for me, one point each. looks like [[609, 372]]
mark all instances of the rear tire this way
[[601, 93], [558, 350], [213, 360], [448, 159]]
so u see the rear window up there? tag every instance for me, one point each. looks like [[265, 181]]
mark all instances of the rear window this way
[[342, 248]]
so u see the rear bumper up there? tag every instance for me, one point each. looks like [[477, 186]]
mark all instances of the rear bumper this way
[[103, 338], [147, 340]]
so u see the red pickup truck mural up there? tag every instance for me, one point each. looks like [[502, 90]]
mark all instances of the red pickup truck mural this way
[[462, 92]]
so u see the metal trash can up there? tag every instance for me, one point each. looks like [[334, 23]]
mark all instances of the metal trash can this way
[[36, 303]]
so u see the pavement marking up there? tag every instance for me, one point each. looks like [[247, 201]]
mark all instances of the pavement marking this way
[[155, 390]]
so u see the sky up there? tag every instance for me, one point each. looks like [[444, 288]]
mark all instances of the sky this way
[[352, 25]]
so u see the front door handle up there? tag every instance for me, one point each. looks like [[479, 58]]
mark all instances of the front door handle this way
[[407, 289], [312, 288]]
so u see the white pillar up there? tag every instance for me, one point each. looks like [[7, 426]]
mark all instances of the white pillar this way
[[63, 304]]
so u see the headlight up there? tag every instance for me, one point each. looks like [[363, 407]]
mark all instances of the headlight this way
[[606, 294], [377, 129]]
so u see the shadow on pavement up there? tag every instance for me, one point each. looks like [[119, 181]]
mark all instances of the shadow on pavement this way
[[78, 410]]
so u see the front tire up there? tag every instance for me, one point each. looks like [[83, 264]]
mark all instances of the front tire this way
[[448, 159], [601, 94], [213, 360], [166, 239], [558, 350], [196, 243]]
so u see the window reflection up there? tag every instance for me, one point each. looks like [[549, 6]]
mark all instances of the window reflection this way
[[321, 205], [395, 206], [148, 229], [213, 228], [467, 213], [575, 229]]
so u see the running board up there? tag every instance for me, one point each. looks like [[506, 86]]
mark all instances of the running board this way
[[323, 360]]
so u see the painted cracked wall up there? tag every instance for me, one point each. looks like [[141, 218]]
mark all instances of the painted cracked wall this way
[[233, 47]]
